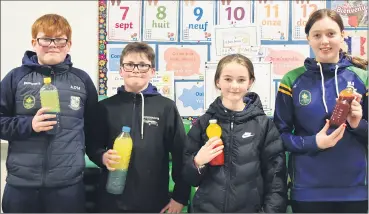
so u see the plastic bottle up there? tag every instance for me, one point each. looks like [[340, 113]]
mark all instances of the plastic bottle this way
[[117, 179], [214, 130], [50, 98], [343, 104]]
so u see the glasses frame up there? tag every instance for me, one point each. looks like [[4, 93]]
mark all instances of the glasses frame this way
[[52, 40], [136, 66]]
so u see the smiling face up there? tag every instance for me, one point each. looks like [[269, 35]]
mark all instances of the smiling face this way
[[234, 82], [325, 38], [51, 52]]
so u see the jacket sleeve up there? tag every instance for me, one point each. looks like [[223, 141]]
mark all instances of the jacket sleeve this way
[[181, 192], [193, 145], [362, 130], [13, 127], [97, 142], [274, 171], [91, 112], [283, 118]]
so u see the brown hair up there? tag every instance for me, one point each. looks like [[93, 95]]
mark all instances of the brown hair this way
[[51, 24], [140, 48], [322, 13], [238, 58]]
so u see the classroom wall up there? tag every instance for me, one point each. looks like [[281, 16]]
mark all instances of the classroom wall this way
[[17, 18]]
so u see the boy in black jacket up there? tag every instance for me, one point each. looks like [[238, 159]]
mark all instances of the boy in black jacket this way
[[156, 130]]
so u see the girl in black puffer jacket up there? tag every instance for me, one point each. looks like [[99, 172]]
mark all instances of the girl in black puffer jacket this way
[[253, 177]]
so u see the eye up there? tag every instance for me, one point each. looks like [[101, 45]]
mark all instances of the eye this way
[[316, 35], [227, 79], [241, 80], [331, 34]]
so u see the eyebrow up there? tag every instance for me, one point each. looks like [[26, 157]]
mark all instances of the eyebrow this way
[[140, 62], [318, 31], [232, 76]]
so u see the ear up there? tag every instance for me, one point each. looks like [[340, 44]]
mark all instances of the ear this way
[[69, 45], [34, 43], [342, 36], [217, 84], [251, 83], [121, 71]]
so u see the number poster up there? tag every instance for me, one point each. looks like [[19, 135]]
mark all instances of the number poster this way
[[187, 34]]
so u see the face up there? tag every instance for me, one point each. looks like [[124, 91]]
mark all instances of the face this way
[[325, 38], [51, 52], [234, 82], [136, 71]]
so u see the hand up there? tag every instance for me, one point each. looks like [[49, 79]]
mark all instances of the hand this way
[[208, 152], [356, 112], [326, 141], [172, 207], [38, 123], [110, 157]]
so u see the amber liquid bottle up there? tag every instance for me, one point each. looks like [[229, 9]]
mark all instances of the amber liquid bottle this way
[[343, 104]]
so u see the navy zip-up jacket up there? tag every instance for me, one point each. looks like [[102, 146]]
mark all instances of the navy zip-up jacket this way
[[305, 99], [39, 159]]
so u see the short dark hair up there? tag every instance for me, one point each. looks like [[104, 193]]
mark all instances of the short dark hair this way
[[140, 48]]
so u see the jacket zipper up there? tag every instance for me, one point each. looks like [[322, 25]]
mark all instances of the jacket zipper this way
[[229, 165], [133, 112]]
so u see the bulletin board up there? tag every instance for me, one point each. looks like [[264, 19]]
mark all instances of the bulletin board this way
[[182, 33]]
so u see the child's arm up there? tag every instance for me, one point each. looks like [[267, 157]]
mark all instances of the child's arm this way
[[13, 127], [191, 173], [91, 112], [97, 143], [274, 171], [176, 131], [283, 119]]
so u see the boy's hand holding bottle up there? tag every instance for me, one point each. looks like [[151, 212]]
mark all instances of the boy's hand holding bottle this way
[[110, 158], [40, 120]]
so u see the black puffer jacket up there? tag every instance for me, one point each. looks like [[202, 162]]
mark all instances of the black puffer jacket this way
[[253, 178]]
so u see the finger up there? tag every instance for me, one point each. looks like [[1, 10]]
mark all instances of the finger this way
[[45, 128], [337, 132], [112, 162], [358, 97], [45, 117], [215, 143], [355, 103], [45, 124], [216, 154], [216, 149], [42, 111], [114, 157], [341, 132], [112, 152], [326, 127], [164, 209]]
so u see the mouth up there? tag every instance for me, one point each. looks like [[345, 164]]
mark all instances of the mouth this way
[[325, 50]]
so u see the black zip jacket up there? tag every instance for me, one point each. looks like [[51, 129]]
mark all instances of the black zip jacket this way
[[253, 178], [156, 131]]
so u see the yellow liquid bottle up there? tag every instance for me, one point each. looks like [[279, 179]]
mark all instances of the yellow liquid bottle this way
[[49, 97], [214, 130], [123, 144]]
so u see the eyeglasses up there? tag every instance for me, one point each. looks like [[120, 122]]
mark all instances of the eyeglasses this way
[[142, 68], [45, 42]]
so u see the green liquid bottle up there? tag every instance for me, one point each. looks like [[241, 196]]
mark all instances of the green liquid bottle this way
[[50, 98]]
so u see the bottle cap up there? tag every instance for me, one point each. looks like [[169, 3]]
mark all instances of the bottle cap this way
[[126, 129], [47, 80], [213, 121]]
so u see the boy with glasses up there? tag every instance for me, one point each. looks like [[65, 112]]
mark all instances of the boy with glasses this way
[[45, 171], [156, 130]]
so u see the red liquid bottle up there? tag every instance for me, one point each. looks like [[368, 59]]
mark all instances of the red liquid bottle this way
[[343, 105]]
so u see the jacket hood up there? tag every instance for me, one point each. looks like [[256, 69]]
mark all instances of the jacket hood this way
[[252, 109], [150, 90], [312, 65], [30, 60]]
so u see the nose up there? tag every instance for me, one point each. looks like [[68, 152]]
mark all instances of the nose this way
[[325, 40], [234, 85]]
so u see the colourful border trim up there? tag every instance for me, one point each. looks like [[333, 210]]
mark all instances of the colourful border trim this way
[[102, 49]]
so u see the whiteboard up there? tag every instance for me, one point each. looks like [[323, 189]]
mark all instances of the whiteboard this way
[[262, 85]]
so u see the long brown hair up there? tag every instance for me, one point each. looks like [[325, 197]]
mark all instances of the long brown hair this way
[[322, 13]]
